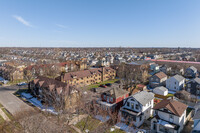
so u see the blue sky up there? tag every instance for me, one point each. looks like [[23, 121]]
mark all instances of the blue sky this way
[[100, 23]]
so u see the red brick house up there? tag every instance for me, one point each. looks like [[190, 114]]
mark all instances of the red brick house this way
[[112, 99]]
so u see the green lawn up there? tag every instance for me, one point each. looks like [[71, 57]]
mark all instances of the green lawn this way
[[170, 95], [89, 123], [7, 113], [105, 82], [1, 120], [16, 82]]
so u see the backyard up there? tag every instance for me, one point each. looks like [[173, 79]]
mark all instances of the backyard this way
[[105, 82], [88, 124]]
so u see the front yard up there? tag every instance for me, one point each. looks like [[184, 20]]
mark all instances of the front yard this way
[[88, 124], [105, 82]]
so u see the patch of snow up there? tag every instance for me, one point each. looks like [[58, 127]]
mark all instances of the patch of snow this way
[[112, 129], [125, 127], [26, 95], [38, 103]]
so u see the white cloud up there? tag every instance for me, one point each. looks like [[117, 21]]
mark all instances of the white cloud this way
[[20, 19], [61, 26]]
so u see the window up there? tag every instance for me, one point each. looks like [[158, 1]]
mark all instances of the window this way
[[111, 99], [137, 106], [132, 106], [189, 85], [171, 118], [140, 118], [128, 104]]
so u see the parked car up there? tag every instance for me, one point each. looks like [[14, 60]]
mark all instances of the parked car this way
[[108, 84], [103, 85], [21, 84]]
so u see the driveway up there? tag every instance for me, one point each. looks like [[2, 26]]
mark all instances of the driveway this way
[[10, 101]]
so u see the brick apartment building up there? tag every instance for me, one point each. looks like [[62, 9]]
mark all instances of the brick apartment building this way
[[87, 77]]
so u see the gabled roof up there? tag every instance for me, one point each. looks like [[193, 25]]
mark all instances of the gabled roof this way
[[173, 106], [179, 77], [162, 88], [85, 73], [52, 84], [197, 115], [161, 75], [116, 92], [197, 80], [193, 68], [143, 97]]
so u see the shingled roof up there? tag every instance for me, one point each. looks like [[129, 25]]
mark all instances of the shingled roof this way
[[173, 106], [52, 84], [161, 75], [85, 73]]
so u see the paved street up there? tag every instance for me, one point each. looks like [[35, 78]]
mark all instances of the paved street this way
[[10, 101]]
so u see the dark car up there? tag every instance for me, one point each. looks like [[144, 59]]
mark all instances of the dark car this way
[[103, 85], [108, 84]]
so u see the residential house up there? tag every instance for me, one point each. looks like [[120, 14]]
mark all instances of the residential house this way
[[157, 79], [169, 117], [137, 108], [193, 86], [154, 68], [196, 118], [191, 72], [175, 83], [87, 77], [165, 69], [112, 99]]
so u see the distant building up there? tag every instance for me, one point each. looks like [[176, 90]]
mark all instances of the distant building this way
[[87, 77]]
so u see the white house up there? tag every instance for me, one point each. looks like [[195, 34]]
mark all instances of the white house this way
[[161, 90], [196, 118], [137, 108], [175, 83], [169, 117]]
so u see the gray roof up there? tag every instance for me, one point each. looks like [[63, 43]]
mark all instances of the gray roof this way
[[197, 114], [162, 88], [193, 68], [197, 80], [179, 77], [143, 97]]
